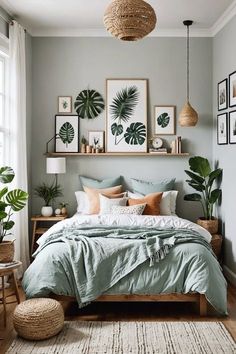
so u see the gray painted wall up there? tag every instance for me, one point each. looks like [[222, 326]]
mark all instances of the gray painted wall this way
[[65, 66], [224, 62]]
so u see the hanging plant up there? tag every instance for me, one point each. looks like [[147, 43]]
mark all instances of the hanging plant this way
[[89, 104]]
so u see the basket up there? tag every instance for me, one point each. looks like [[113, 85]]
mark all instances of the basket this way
[[216, 243], [209, 225], [38, 319], [7, 250]]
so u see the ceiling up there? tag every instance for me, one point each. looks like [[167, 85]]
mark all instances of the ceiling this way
[[78, 17]]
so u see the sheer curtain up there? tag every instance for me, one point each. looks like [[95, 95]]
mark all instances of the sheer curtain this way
[[17, 125]]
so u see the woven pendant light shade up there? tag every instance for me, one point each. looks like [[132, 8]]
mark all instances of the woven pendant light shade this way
[[188, 116], [129, 20]]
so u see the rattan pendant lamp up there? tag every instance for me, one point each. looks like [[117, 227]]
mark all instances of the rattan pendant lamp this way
[[129, 20], [188, 116]]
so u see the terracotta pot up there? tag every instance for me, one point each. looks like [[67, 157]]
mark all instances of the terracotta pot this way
[[63, 211], [7, 250], [209, 225]]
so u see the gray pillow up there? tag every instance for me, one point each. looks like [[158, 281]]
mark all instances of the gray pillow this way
[[145, 188], [105, 183]]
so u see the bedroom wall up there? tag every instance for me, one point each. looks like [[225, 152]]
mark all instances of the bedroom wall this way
[[65, 66], [224, 54]]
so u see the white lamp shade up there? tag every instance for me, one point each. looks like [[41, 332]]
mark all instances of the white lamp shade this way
[[56, 165]]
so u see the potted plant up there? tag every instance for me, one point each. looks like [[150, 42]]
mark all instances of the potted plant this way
[[63, 206], [202, 179], [83, 144], [10, 202], [48, 193]]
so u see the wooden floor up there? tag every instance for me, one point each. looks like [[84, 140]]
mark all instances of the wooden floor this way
[[129, 312]]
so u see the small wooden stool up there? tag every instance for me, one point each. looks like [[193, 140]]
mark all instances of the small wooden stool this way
[[10, 271]]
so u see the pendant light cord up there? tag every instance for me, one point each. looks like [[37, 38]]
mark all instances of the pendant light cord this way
[[187, 63]]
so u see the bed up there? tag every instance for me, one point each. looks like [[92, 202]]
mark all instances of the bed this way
[[127, 258]]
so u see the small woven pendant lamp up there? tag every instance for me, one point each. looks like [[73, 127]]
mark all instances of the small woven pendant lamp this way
[[129, 20], [188, 116]]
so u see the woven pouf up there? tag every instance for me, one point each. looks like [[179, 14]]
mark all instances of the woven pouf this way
[[38, 319]]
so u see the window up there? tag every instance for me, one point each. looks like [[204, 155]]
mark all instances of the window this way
[[4, 131]]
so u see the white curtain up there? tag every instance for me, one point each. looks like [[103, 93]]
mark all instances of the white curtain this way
[[17, 125]]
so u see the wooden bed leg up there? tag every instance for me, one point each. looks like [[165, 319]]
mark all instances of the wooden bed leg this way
[[202, 305]]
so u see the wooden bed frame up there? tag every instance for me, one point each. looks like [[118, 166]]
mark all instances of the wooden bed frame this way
[[193, 297]]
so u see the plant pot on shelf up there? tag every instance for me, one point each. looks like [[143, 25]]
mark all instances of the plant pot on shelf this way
[[47, 211], [7, 250], [209, 225], [63, 211]]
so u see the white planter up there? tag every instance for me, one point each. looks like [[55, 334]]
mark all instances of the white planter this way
[[47, 211]]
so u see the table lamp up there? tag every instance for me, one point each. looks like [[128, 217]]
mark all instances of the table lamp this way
[[56, 165]]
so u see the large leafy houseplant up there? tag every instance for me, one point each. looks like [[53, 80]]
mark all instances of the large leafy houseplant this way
[[10, 202], [202, 179]]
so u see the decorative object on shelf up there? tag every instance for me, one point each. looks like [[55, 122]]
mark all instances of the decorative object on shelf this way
[[157, 142], [63, 206], [56, 136], [129, 20], [222, 95], [202, 178], [64, 104], [232, 89], [126, 120], [56, 165], [67, 127], [96, 139], [89, 104], [11, 201], [83, 145], [188, 116], [222, 129], [88, 149], [57, 211], [164, 120], [176, 145], [48, 193], [232, 127]]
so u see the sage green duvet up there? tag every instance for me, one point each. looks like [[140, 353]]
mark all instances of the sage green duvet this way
[[86, 262]]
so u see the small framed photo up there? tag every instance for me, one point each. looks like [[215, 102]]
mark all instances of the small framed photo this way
[[222, 95], [232, 127], [222, 129], [96, 139], [67, 133], [164, 120], [232, 89], [64, 104]]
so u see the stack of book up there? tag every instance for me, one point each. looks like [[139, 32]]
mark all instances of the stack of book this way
[[176, 146], [158, 151], [7, 265]]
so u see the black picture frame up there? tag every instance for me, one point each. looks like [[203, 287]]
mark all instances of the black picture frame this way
[[222, 92], [222, 132], [73, 146], [232, 89], [232, 126]]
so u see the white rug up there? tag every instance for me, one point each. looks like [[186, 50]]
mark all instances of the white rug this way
[[133, 337]]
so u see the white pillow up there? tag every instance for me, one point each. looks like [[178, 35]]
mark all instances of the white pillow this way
[[165, 204], [134, 209], [107, 203], [82, 202]]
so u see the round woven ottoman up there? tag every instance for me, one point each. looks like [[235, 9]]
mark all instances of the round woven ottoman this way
[[38, 319]]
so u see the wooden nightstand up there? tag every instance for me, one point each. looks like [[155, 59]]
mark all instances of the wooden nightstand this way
[[38, 230], [216, 243]]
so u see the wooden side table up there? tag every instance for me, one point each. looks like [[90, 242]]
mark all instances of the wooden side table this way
[[216, 244], [38, 230], [10, 271]]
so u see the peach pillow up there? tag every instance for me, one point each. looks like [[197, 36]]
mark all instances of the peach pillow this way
[[93, 196], [152, 203], [114, 196]]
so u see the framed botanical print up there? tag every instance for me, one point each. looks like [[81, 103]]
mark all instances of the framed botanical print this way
[[232, 127], [67, 133], [164, 120], [222, 95], [222, 129], [64, 104], [126, 115], [96, 139], [232, 89]]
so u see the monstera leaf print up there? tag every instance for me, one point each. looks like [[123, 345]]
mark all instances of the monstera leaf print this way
[[135, 134], [89, 104], [116, 129], [123, 104], [163, 120], [67, 133]]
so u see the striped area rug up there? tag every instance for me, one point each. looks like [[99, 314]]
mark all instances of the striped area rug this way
[[133, 337]]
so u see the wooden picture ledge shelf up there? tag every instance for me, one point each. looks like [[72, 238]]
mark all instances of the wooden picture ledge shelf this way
[[124, 154]]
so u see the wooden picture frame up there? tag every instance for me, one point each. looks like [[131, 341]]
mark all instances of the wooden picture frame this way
[[232, 89], [232, 127], [64, 104], [222, 129], [96, 139], [67, 133], [126, 130], [222, 95], [164, 120]]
